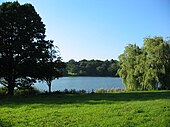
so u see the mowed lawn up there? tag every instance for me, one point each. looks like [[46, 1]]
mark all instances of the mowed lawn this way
[[133, 109]]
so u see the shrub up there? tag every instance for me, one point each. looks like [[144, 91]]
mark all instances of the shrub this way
[[3, 90], [27, 91], [111, 90], [82, 91], [21, 91], [101, 90], [118, 90], [73, 91]]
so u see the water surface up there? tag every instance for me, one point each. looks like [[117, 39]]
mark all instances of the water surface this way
[[79, 83]]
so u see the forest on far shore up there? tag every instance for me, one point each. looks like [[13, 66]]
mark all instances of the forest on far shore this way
[[107, 68]]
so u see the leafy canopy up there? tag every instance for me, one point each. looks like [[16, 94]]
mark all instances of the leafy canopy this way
[[23, 48], [144, 68]]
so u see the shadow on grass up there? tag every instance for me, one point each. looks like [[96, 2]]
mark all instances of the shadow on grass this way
[[5, 123], [83, 98]]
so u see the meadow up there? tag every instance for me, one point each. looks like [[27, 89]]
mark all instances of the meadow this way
[[126, 109]]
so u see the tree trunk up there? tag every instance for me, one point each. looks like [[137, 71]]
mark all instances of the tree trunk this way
[[11, 71], [11, 85], [49, 86], [10, 89]]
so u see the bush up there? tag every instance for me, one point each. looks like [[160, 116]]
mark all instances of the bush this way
[[82, 91], [111, 90], [27, 91], [21, 91], [3, 90], [73, 91], [101, 90]]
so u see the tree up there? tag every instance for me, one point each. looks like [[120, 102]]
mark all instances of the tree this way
[[92, 68], [113, 67], [22, 43], [128, 62], [144, 68], [157, 62], [72, 67], [52, 69]]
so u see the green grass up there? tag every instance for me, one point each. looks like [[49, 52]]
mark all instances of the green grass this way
[[142, 109]]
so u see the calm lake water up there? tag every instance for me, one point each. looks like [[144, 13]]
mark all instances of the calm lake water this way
[[79, 83]]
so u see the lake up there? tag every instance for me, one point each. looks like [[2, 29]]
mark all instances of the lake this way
[[82, 83]]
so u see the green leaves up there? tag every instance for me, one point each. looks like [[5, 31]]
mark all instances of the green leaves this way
[[143, 69], [23, 48], [92, 67], [128, 62]]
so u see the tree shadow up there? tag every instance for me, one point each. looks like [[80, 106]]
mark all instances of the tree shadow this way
[[58, 99], [4, 123]]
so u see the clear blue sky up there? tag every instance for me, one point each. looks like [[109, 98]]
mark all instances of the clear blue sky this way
[[100, 29]]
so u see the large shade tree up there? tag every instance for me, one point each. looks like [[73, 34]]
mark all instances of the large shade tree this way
[[23, 47]]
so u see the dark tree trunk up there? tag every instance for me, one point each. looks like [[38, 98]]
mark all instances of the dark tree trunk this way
[[11, 85], [11, 71], [49, 86], [10, 89], [11, 78]]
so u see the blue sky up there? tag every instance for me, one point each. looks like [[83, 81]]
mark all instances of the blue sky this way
[[100, 29]]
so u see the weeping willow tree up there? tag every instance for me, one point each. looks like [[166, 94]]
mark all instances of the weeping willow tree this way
[[128, 62], [144, 68]]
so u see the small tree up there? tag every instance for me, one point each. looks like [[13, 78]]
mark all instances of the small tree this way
[[56, 72], [51, 71]]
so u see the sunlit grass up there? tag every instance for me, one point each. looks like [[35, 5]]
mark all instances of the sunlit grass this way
[[150, 109]]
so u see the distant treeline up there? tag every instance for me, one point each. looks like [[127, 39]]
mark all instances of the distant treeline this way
[[91, 68]]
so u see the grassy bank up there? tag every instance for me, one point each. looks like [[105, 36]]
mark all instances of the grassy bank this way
[[150, 109]]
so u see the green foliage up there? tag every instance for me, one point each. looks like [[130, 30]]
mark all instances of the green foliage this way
[[73, 91], [27, 91], [128, 63], [24, 52], [3, 90], [51, 70], [132, 109], [22, 90], [143, 69], [111, 90], [92, 68]]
